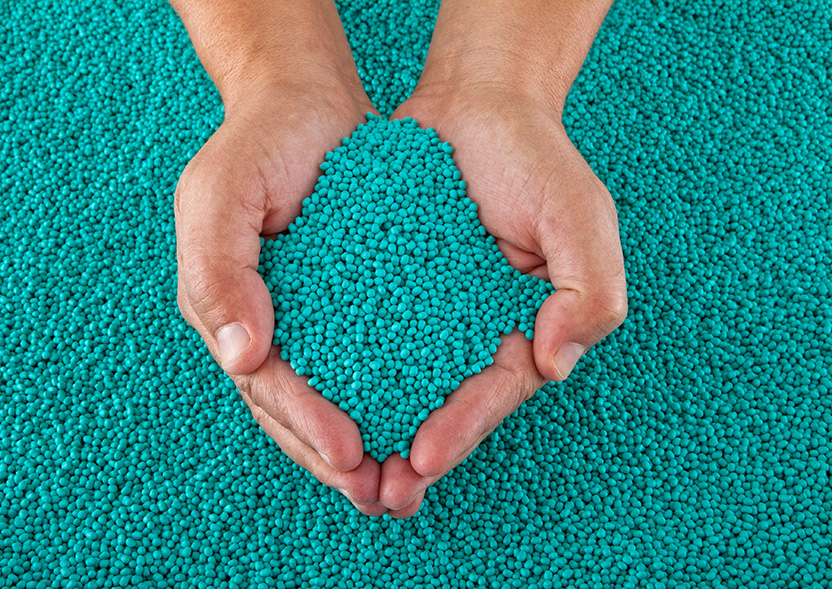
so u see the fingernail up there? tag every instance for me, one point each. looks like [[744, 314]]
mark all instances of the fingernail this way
[[567, 357], [233, 339], [326, 459]]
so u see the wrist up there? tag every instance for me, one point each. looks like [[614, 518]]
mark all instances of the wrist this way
[[494, 73], [271, 70], [289, 88], [530, 49], [251, 47]]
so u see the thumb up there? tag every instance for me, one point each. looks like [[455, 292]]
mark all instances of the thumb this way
[[570, 322], [221, 293]]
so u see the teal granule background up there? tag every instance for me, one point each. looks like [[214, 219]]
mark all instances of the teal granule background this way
[[689, 449]]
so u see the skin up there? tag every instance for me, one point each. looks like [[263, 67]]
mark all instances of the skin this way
[[494, 84]]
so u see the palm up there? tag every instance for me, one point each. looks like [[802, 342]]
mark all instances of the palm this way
[[275, 158], [514, 161]]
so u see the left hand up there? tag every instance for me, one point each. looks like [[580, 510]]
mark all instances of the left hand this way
[[552, 218]]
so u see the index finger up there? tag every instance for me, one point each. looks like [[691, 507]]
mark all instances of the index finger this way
[[478, 406], [468, 415], [316, 421]]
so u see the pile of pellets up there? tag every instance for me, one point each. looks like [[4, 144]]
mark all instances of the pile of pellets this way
[[689, 449], [387, 290]]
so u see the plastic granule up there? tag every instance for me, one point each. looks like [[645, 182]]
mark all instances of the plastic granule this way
[[689, 449], [387, 290]]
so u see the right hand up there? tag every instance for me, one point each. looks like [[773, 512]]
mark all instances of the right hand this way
[[552, 218], [248, 181]]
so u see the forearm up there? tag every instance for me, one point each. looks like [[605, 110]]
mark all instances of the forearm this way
[[535, 47], [245, 45]]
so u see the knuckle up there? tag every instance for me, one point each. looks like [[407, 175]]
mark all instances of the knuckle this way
[[186, 185], [521, 382], [184, 306], [612, 307], [360, 493], [506, 384], [258, 394], [257, 412], [523, 390], [243, 383], [269, 394], [177, 199], [300, 424], [203, 183], [481, 411], [204, 290]]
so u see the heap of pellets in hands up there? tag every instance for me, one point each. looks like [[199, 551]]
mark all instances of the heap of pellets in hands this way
[[388, 292], [689, 449]]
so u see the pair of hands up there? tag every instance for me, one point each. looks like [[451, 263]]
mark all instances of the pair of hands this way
[[551, 216]]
